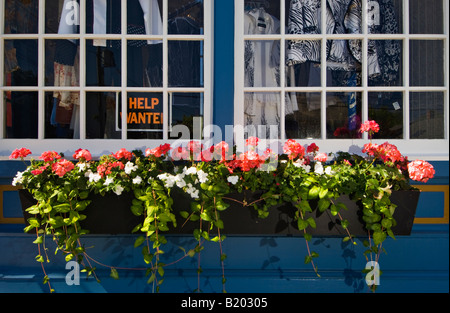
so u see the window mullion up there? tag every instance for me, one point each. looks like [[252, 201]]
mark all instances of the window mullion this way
[[165, 67], [124, 53], [41, 70], [82, 70]]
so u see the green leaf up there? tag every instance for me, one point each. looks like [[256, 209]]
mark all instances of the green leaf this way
[[302, 224], [314, 192], [139, 241], [323, 193], [379, 237], [184, 214], [114, 274], [323, 204], [311, 222]]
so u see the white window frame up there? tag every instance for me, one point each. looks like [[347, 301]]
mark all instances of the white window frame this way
[[99, 146], [427, 149]]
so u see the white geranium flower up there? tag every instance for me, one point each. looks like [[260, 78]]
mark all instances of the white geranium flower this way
[[82, 166], [118, 190], [191, 170], [108, 181], [233, 179], [94, 177], [18, 179], [130, 167], [202, 176], [318, 168], [137, 180], [328, 170]]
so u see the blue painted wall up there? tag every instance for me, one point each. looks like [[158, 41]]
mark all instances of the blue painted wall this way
[[255, 264]]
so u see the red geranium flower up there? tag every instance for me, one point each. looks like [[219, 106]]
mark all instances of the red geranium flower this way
[[123, 154], [420, 170], [49, 156], [19, 153], [82, 154], [61, 167]]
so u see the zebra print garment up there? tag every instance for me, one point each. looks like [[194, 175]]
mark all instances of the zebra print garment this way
[[305, 18]]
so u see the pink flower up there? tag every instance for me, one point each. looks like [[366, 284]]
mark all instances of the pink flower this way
[[158, 151], [347, 162], [61, 167], [123, 154], [252, 141], [49, 156], [39, 170], [221, 149], [82, 154], [180, 153], [370, 127], [293, 149], [420, 170], [321, 157], [194, 146], [19, 153]]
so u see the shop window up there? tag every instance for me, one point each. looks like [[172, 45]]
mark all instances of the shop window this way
[[71, 68], [315, 70]]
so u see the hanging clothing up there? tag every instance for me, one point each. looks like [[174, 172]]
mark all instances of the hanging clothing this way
[[305, 18], [262, 69]]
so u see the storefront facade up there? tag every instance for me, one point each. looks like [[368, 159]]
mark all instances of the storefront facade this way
[[222, 70]]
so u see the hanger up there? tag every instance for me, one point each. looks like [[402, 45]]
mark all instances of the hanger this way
[[184, 8]]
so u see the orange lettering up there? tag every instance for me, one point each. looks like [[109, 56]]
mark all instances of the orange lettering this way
[[132, 103], [155, 101], [140, 103]]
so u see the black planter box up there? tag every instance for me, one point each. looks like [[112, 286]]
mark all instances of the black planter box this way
[[111, 214]]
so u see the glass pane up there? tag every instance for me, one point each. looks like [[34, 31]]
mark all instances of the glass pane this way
[[262, 63], [384, 17], [262, 111], [303, 63], [62, 66], [103, 64], [104, 17], [21, 62], [62, 119], [186, 109], [304, 17], [385, 63], [343, 115], [144, 17], [102, 115], [303, 115], [427, 115], [426, 17], [21, 114], [185, 63], [386, 108], [185, 17], [21, 17], [261, 17], [144, 64], [426, 63], [144, 115], [62, 17]]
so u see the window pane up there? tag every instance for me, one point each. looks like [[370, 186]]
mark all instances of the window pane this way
[[427, 115], [385, 68], [426, 63], [62, 66], [262, 110], [21, 17], [101, 115], [104, 17], [386, 108], [303, 63], [21, 114], [304, 17], [426, 17], [103, 64], [144, 115], [144, 17], [262, 17], [144, 64], [62, 114], [21, 62], [185, 17], [262, 63], [62, 17], [303, 115], [343, 115], [186, 109], [185, 63]]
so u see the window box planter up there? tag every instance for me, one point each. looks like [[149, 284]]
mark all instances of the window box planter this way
[[111, 214]]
